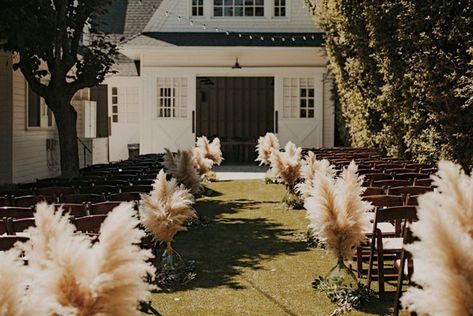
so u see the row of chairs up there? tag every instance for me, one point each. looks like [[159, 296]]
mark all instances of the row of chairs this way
[[31, 200]]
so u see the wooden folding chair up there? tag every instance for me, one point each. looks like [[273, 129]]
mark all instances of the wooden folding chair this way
[[82, 198], [31, 200], [18, 226], [7, 242], [390, 183], [89, 224], [387, 246], [100, 189], [138, 188], [74, 209], [126, 196], [16, 212], [411, 176], [408, 190], [102, 208], [423, 182], [405, 268], [55, 191], [5, 200], [374, 191]]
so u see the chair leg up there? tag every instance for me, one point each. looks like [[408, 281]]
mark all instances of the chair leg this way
[[359, 261], [370, 265], [400, 278], [380, 267]]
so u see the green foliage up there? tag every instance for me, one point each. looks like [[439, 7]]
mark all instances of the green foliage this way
[[57, 58], [347, 298], [403, 73]]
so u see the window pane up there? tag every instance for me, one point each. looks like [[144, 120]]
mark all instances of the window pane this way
[[194, 11], [239, 2], [201, 11], [228, 11], [238, 11], [50, 118], [311, 92], [259, 11], [115, 90], [217, 2], [259, 2], [194, 2], [114, 100], [218, 11], [303, 113], [228, 2], [311, 113], [114, 109], [311, 103], [303, 92], [115, 118], [283, 12], [303, 103]]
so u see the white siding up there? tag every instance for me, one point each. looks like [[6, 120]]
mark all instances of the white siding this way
[[299, 19], [127, 130], [329, 113], [30, 158], [5, 117]]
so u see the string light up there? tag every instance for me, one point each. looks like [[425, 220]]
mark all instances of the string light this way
[[273, 38]]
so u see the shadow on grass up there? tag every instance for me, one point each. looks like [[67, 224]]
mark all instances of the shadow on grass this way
[[228, 245]]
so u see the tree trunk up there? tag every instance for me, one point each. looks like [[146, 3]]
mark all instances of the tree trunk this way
[[66, 120]]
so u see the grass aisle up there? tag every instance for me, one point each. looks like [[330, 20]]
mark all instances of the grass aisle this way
[[248, 260]]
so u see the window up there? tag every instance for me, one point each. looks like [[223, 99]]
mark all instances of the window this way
[[298, 98], [238, 7], [39, 114], [172, 97], [115, 105], [279, 8], [197, 7]]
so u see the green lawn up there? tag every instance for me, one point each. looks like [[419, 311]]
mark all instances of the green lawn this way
[[248, 260]]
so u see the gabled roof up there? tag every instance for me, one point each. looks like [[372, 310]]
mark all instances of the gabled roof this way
[[127, 18], [163, 39]]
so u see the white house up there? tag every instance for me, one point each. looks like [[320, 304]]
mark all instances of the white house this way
[[29, 146], [228, 68]]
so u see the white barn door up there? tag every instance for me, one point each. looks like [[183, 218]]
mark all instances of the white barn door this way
[[169, 113], [299, 109]]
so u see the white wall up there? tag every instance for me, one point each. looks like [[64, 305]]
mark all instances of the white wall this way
[[127, 130], [298, 19], [30, 159]]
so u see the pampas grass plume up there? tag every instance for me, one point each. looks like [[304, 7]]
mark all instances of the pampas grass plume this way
[[13, 284], [443, 256], [165, 210], [287, 164], [182, 168], [310, 166], [266, 144], [336, 210], [210, 150]]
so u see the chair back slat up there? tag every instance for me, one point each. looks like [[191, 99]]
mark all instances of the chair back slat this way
[[90, 224], [384, 200], [16, 212], [102, 207]]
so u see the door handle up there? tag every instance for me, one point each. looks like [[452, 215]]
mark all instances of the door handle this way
[[193, 122], [276, 115]]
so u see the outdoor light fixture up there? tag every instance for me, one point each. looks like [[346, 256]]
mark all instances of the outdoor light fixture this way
[[237, 64]]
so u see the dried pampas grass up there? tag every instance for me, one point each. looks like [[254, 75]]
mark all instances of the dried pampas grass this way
[[443, 256], [72, 277], [266, 144], [336, 211], [310, 166], [210, 150], [182, 168], [166, 209], [13, 285], [202, 164], [287, 165]]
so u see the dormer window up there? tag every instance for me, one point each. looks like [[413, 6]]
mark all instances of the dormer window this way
[[197, 7], [279, 8], [238, 7]]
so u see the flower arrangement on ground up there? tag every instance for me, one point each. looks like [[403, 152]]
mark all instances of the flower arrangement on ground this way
[[181, 167], [68, 275], [287, 166], [265, 145], [443, 255], [205, 155]]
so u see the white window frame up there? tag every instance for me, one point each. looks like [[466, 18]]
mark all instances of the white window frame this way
[[292, 104], [243, 6], [191, 9], [280, 7], [45, 114], [175, 101], [115, 103]]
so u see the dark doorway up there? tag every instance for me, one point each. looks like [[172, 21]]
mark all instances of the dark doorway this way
[[237, 110], [100, 95]]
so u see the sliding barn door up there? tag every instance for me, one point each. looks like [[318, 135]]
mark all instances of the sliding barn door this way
[[237, 110]]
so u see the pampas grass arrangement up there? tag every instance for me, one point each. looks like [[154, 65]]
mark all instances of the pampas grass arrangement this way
[[266, 144], [309, 169], [287, 166], [443, 256], [336, 213], [210, 150], [67, 275], [165, 210], [181, 167]]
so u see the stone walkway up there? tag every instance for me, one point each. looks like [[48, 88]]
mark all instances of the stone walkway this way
[[240, 172]]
